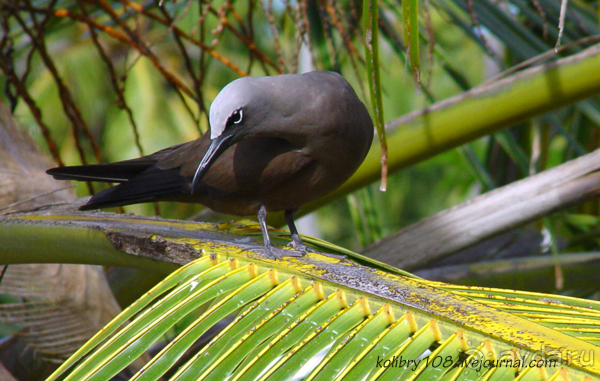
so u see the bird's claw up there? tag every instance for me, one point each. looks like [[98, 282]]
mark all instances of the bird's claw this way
[[297, 244], [274, 252], [300, 247]]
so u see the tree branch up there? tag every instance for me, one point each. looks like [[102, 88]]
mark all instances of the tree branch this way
[[490, 214]]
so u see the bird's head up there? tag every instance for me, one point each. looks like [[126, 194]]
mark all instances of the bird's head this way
[[228, 108], [232, 118]]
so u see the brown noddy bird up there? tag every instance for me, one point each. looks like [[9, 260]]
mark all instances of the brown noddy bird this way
[[275, 143]]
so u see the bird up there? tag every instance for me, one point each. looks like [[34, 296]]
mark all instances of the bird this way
[[275, 143]]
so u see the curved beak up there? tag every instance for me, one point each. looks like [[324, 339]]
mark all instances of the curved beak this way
[[217, 146]]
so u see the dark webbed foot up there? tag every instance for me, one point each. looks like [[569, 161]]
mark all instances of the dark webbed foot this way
[[300, 247], [275, 252], [297, 244]]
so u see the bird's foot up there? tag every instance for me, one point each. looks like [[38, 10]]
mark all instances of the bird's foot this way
[[297, 244], [300, 247], [275, 252]]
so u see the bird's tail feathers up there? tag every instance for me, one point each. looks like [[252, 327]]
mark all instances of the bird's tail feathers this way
[[150, 185], [113, 173], [118, 172]]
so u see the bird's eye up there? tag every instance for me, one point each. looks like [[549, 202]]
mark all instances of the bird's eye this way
[[236, 117]]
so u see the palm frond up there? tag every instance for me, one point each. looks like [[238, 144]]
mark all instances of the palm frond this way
[[323, 319], [242, 315]]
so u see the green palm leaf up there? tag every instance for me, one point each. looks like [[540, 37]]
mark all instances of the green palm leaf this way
[[301, 323], [317, 317]]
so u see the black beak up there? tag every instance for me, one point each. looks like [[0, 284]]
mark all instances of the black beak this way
[[217, 146]]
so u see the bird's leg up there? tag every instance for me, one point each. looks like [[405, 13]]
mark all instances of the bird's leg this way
[[270, 250], [296, 240]]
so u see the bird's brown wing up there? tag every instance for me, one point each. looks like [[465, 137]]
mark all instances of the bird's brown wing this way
[[252, 171], [140, 180], [154, 177], [251, 166]]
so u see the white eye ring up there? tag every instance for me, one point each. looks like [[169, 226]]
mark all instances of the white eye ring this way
[[240, 114]]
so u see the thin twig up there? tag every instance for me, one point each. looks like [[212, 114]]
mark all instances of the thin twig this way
[[4, 268], [141, 47], [70, 108], [8, 70], [11, 205], [193, 40], [542, 14], [561, 23], [540, 57], [119, 90], [478, 28], [268, 10], [189, 66]]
